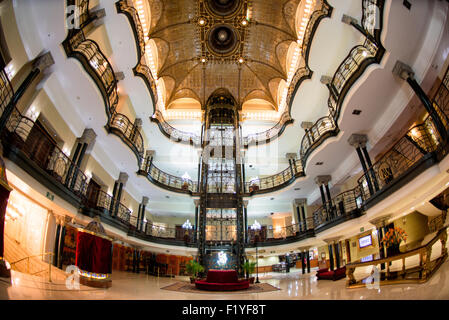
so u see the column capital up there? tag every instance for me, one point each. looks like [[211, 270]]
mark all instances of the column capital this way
[[122, 178], [380, 221], [348, 19], [291, 155], [43, 61], [119, 75], [358, 140], [138, 122], [197, 202], [300, 201], [402, 70], [306, 125], [320, 180], [245, 203], [150, 153], [88, 136], [145, 200], [326, 80]]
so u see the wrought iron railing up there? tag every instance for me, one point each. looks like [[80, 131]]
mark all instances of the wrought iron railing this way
[[343, 205], [277, 181], [315, 135], [163, 179], [56, 163], [372, 18], [106, 203], [270, 134], [403, 155], [352, 67], [175, 134], [6, 91], [129, 132]]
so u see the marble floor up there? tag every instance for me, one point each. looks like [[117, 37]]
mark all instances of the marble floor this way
[[294, 285]]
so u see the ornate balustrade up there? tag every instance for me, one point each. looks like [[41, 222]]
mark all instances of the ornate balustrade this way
[[344, 206], [417, 144], [372, 18], [275, 182], [22, 134], [128, 131], [270, 134], [352, 67], [166, 180], [6, 91], [173, 133], [396, 269], [322, 129]]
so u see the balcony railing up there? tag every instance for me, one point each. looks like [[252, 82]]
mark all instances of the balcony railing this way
[[6, 91], [418, 142], [314, 136], [49, 157], [277, 235], [342, 207], [166, 180], [270, 134], [277, 181], [173, 133], [128, 131]]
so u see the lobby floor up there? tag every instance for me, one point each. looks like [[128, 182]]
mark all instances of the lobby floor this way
[[294, 285]]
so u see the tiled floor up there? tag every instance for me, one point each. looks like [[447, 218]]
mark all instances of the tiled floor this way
[[293, 286]]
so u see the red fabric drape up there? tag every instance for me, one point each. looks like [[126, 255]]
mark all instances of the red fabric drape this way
[[93, 254], [4, 195]]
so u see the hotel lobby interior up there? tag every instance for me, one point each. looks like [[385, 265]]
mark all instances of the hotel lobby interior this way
[[224, 149]]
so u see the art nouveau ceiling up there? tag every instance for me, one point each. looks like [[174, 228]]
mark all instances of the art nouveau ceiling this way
[[252, 48]]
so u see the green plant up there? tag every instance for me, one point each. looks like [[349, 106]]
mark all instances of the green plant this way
[[193, 268], [249, 268]]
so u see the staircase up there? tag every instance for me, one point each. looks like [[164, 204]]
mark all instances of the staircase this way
[[13, 252]]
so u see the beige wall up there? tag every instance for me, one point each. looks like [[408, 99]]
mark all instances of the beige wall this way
[[415, 226]]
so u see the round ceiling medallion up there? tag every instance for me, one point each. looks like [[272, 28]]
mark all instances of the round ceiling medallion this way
[[222, 40], [223, 8]]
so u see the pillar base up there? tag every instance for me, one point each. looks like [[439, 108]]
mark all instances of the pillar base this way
[[5, 271]]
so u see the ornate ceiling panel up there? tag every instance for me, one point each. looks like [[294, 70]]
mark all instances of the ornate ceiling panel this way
[[240, 45]]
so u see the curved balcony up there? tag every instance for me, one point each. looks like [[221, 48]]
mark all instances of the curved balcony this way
[[173, 133], [6, 91], [275, 182], [160, 234], [280, 235], [128, 132], [343, 207], [322, 129], [96, 65], [166, 180], [141, 69], [270, 134], [414, 152], [23, 140]]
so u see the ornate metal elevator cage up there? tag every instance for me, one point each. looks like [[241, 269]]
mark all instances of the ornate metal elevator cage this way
[[221, 224]]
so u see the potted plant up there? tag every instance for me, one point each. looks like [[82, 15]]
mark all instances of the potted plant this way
[[249, 268], [393, 239], [193, 268]]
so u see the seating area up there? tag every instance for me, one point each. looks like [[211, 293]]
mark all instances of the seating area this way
[[337, 274], [222, 280]]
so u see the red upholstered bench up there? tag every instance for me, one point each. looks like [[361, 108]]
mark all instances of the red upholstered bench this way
[[325, 274], [222, 280]]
